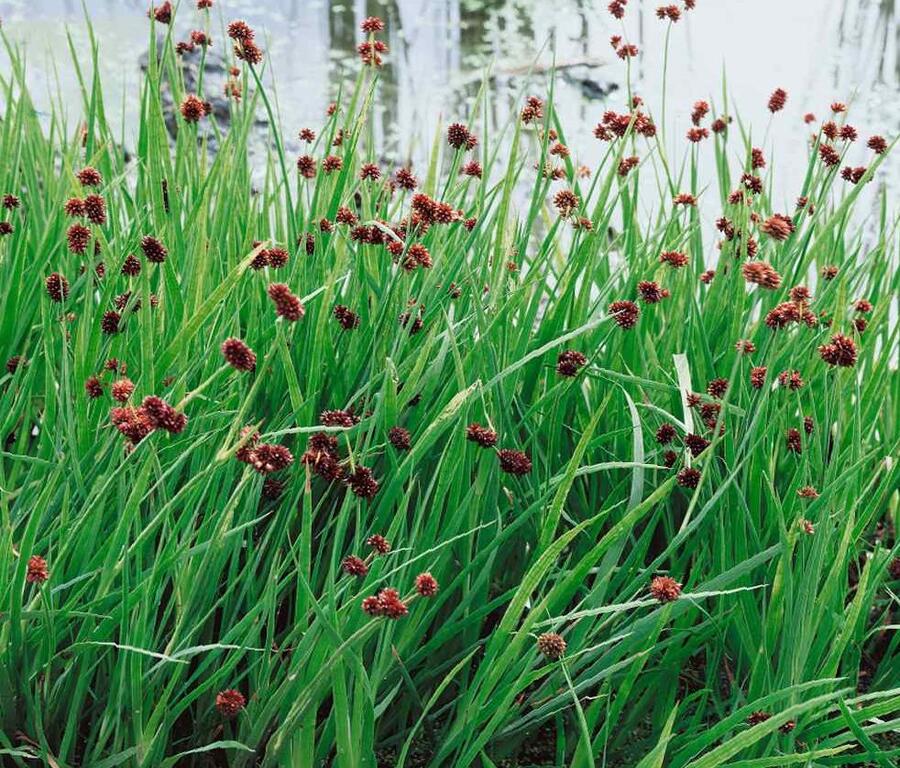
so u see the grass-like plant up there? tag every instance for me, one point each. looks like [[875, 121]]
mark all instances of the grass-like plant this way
[[313, 462]]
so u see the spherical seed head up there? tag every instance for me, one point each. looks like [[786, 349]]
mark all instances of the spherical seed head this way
[[570, 362], [338, 418], [566, 201], [193, 108], [95, 209], [514, 462], [287, 305], [405, 179], [74, 207], [707, 277], [11, 202], [457, 135], [372, 24], [306, 165], [89, 177], [757, 717], [426, 585], [372, 605], [551, 645], [840, 352], [777, 100], [93, 387], [399, 438], [665, 589], [877, 144], [745, 346], [717, 388], [688, 477], [778, 227], [12, 365], [808, 492], [37, 572], [617, 8], [131, 266], [829, 155], [696, 135], [758, 376], [248, 51], [230, 702], [480, 435], [762, 274], [332, 163], [369, 172], [675, 259], [669, 459], [204, 5], [354, 566], [347, 319], [650, 292], [696, 444], [162, 415], [109, 323], [57, 287], [380, 544], [154, 251], [793, 441], [392, 606], [122, 389], [665, 434], [240, 30], [362, 482], [77, 237], [238, 355], [269, 457], [132, 423], [625, 314]]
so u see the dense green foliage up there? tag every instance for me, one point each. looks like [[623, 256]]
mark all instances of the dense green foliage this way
[[172, 576]]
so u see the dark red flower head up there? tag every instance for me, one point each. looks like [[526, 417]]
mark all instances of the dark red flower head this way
[[354, 566], [570, 362], [238, 355], [37, 572], [514, 462], [89, 177], [399, 438], [777, 100], [551, 645], [193, 108], [287, 305], [362, 482], [762, 274], [758, 376], [482, 436], [57, 287], [665, 589], [665, 434], [757, 717], [877, 144], [230, 702], [122, 389], [688, 477], [426, 585], [11, 202], [650, 292], [338, 418], [841, 351], [372, 24], [154, 251], [77, 237], [625, 314], [162, 415], [347, 319], [675, 259]]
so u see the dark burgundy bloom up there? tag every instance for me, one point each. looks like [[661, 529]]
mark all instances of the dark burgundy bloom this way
[[161, 13], [162, 415], [248, 51], [483, 436], [696, 444], [671, 12], [287, 305], [848, 133], [757, 159], [669, 458], [89, 177], [11, 202], [457, 135], [625, 314], [696, 135], [877, 144], [758, 376], [122, 389], [93, 387], [36, 571], [332, 163], [371, 25], [74, 207], [230, 703], [131, 266], [405, 179], [840, 352], [270, 457], [57, 287], [354, 566], [570, 362], [154, 251], [675, 259], [665, 434], [514, 462], [380, 544], [240, 31], [650, 292], [707, 277], [688, 477], [13, 364], [109, 323], [566, 201], [778, 226], [426, 585], [238, 355], [193, 108], [745, 346], [369, 172], [306, 165], [132, 423], [399, 438], [347, 319], [829, 155], [757, 717], [777, 100], [338, 418], [617, 8], [790, 379], [762, 274], [362, 482], [78, 236], [665, 589], [551, 645], [808, 492], [717, 388], [853, 175]]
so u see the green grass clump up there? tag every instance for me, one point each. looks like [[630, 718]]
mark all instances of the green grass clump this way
[[176, 572]]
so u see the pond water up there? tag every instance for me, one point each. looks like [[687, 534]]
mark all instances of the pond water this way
[[818, 50]]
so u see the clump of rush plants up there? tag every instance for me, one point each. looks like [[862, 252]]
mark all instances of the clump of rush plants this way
[[381, 465]]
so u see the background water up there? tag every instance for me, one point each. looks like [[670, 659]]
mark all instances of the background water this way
[[819, 50]]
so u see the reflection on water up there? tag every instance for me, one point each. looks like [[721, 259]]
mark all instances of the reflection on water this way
[[819, 50]]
